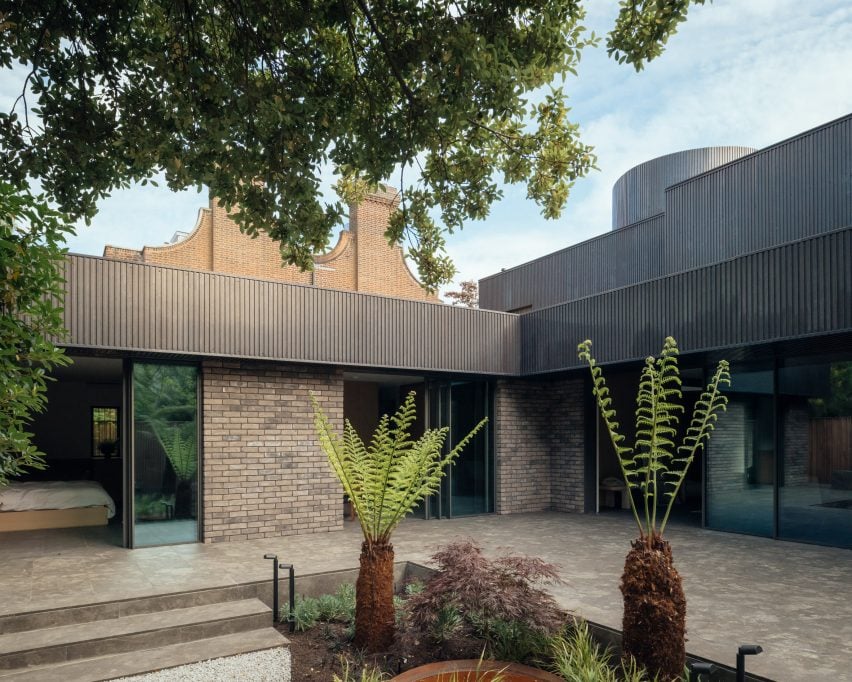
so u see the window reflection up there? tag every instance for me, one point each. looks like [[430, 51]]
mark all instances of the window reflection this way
[[815, 413], [741, 458], [166, 453]]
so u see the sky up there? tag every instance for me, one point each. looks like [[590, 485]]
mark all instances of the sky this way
[[738, 72]]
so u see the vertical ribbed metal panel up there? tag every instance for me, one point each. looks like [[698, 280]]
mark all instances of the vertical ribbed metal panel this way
[[131, 306], [798, 289], [791, 190], [639, 194]]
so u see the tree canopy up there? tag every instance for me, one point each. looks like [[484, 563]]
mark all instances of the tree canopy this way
[[467, 294], [257, 99], [31, 237]]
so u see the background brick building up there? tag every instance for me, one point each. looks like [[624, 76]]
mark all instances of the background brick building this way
[[362, 260]]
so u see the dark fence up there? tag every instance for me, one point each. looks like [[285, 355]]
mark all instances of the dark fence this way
[[831, 450]]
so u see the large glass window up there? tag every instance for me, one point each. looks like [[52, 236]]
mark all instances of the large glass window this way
[[468, 487], [165, 421], [471, 480], [740, 458], [815, 433], [105, 440]]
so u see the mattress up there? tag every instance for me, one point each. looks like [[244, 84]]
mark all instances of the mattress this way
[[55, 495]]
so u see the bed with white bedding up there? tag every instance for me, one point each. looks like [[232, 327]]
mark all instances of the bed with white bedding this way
[[54, 504]]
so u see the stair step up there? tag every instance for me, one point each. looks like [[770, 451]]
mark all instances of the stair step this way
[[49, 618], [130, 633], [137, 662]]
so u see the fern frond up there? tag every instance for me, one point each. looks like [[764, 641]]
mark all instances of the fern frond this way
[[625, 455], [655, 465], [704, 417], [386, 480]]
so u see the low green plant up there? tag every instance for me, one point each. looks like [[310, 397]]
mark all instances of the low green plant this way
[[512, 640], [152, 506], [400, 611], [330, 608], [576, 657], [305, 613], [414, 587], [345, 594], [338, 607], [448, 624], [348, 674]]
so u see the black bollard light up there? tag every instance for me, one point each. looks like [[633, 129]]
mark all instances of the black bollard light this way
[[274, 558], [699, 668], [742, 652], [291, 618]]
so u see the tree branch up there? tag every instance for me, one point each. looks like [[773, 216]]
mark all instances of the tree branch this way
[[409, 94]]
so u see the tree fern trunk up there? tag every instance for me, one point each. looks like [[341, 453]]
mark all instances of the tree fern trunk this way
[[654, 626], [374, 614]]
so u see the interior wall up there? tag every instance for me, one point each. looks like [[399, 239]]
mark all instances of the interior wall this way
[[64, 430], [361, 406]]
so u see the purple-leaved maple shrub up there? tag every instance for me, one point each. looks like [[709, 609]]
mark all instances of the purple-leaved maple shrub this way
[[507, 588]]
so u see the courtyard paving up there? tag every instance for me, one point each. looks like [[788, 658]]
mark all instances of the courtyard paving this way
[[795, 600]]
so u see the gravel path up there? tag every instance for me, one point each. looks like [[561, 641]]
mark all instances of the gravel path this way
[[271, 665]]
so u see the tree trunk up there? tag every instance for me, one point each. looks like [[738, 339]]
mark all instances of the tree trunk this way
[[654, 626], [374, 613]]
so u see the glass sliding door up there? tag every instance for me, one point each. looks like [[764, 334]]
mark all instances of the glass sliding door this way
[[468, 487], [165, 446], [471, 477], [740, 458], [815, 452]]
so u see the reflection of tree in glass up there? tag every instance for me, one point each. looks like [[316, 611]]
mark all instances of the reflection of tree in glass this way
[[838, 403], [181, 451], [165, 398]]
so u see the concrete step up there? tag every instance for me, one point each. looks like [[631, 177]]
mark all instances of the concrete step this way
[[87, 613], [24, 649], [98, 668]]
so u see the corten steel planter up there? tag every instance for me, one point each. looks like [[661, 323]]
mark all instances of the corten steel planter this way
[[474, 670]]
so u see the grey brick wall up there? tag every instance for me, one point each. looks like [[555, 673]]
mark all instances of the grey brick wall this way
[[729, 449], [796, 445], [263, 472], [540, 445]]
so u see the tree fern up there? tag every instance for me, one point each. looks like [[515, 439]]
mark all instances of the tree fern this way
[[388, 478], [655, 465], [180, 450]]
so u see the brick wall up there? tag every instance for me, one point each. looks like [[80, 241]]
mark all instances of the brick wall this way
[[796, 423], [540, 445], [380, 269], [263, 472], [362, 259], [729, 448], [568, 448]]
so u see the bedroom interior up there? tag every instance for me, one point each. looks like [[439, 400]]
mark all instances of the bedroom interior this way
[[85, 435], [81, 484]]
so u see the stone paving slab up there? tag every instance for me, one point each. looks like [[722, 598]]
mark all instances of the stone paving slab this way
[[793, 599]]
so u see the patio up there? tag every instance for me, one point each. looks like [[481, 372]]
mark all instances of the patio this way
[[795, 600]]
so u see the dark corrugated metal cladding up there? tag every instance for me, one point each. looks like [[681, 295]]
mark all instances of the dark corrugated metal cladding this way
[[789, 191], [127, 306], [794, 290]]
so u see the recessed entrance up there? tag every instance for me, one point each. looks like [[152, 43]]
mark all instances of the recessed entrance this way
[[468, 487]]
